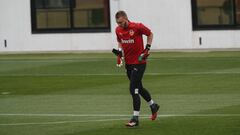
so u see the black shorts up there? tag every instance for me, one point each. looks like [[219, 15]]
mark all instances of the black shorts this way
[[135, 74]]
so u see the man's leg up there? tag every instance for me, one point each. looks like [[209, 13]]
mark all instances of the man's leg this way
[[136, 107], [132, 73], [145, 94], [142, 91]]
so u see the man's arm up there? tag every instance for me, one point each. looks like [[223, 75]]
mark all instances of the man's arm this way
[[145, 52], [118, 52], [119, 46], [146, 31], [150, 39]]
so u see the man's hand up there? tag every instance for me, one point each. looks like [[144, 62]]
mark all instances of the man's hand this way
[[119, 61], [144, 55], [118, 53]]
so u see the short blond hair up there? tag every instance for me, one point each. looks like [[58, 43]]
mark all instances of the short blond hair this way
[[121, 13]]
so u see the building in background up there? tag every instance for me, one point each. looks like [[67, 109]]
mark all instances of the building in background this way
[[89, 25]]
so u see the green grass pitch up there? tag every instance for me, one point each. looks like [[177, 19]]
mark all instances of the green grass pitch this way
[[86, 94]]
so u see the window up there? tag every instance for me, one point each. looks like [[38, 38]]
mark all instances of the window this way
[[53, 16], [90, 13], [238, 11], [216, 14]]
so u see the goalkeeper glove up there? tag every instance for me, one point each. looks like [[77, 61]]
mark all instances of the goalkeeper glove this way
[[144, 55], [119, 61], [118, 53]]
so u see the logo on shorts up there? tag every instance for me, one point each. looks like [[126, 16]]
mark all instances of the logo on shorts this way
[[131, 32], [136, 91]]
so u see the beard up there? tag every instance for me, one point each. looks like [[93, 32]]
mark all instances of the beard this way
[[125, 25]]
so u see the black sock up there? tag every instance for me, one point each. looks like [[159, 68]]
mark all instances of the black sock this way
[[135, 117]]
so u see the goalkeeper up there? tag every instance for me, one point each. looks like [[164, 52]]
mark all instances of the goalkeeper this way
[[131, 49]]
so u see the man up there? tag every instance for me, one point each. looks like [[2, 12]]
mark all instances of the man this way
[[131, 48]]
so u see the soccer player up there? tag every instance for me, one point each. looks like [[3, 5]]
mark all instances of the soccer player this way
[[131, 49]]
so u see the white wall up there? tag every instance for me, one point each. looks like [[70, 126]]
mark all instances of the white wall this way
[[170, 21], [217, 39], [15, 27]]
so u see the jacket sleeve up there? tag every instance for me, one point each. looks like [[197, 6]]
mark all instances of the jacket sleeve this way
[[144, 30]]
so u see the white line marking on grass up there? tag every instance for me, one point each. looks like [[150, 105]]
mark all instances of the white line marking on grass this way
[[200, 115], [100, 115], [65, 115], [5, 93], [117, 115], [106, 74], [60, 122], [53, 60], [102, 120]]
